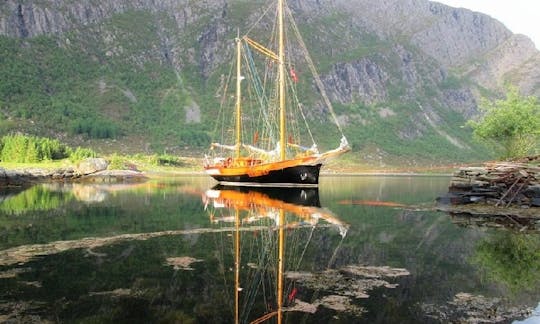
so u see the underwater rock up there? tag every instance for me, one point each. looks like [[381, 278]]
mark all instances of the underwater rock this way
[[352, 281], [182, 263], [468, 308]]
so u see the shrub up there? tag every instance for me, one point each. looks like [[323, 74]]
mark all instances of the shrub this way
[[94, 128], [195, 138], [28, 149], [512, 124], [81, 153], [116, 162], [168, 160]]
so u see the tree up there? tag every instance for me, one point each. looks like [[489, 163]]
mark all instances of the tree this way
[[511, 125]]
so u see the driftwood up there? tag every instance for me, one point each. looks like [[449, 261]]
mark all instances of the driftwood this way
[[502, 188], [501, 184]]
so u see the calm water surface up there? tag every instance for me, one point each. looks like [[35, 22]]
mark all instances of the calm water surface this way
[[360, 249]]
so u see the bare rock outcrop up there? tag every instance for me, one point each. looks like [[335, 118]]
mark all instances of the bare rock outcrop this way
[[91, 165], [362, 80], [25, 177]]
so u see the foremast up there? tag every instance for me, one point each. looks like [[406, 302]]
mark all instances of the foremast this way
[[281, 81]]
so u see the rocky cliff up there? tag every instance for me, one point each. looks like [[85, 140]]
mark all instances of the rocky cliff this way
[[416, 60], [31, 19]]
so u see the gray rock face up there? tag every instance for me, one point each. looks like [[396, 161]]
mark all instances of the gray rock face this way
[[361, 80], [28, 19], [450, 35], [461, 101], [456, 35], [91, 165], [211, 42], [193, 113], [455, 38]]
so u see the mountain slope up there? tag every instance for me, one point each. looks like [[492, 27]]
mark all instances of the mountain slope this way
[[404, 75]]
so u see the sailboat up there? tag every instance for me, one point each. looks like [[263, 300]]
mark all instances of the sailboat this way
[[271, 154]]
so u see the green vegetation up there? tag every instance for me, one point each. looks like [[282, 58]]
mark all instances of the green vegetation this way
[[510, 126], [94, 128], [92, 92], [513, 260], [166, 160], [138, 161], [29, 149], [81, 153]]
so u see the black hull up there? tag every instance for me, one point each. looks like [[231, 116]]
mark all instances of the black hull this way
[[297, 176], [296, 196]]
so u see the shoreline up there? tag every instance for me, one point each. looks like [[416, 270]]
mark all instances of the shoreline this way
[[157, 174], [25, 177], [21, 177]]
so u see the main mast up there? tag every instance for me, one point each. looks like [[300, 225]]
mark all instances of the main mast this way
[[238, 97], [281, 80]]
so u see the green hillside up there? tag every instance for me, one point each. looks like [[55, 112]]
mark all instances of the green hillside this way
[[124, 84]]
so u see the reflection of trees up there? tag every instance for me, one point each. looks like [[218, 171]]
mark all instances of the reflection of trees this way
[[511, 259], [36, 198]]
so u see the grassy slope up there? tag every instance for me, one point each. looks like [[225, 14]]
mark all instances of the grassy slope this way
[[125, 97]]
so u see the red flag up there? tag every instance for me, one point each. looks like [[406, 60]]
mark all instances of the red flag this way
[[255, 138], [293, 294], [293, 75]]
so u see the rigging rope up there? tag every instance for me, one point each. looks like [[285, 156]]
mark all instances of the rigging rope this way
[[250, 28], [259, 88], [311, 66], [221, 114], [299, 106], [292, 101]]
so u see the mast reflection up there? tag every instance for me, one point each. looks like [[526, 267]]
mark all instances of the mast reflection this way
[[273, 229]]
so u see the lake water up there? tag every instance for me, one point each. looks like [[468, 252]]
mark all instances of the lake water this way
[[176, 250]]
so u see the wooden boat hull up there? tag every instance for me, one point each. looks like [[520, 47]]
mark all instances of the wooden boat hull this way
[[293, 176]]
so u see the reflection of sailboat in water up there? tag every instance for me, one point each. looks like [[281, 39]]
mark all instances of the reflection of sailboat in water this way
[[273, 230]]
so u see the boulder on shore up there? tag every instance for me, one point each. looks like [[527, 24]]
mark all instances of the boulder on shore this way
[[91, 165]]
